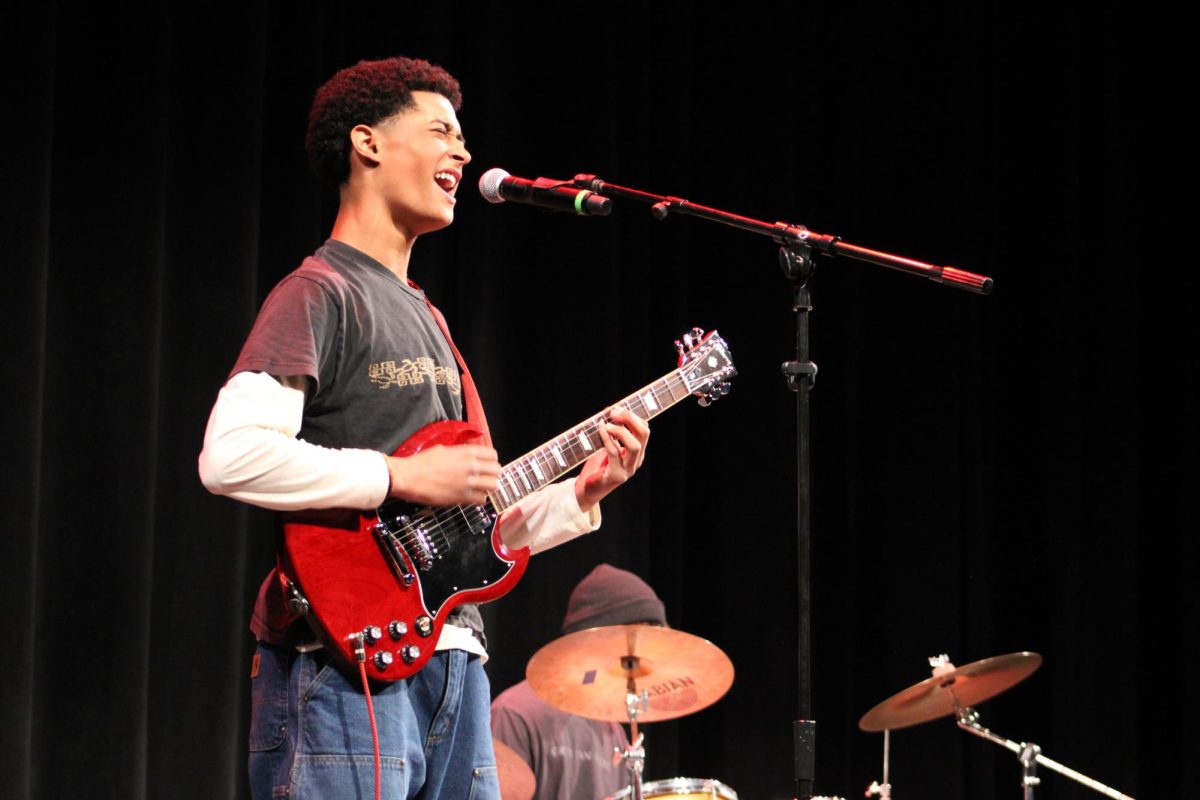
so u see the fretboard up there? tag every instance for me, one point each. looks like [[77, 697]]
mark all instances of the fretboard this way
[[568, 450]]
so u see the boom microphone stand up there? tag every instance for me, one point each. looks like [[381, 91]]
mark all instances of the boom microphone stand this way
[[797, 245]]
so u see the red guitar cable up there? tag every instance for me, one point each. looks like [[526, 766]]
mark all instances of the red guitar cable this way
[[362, 670]]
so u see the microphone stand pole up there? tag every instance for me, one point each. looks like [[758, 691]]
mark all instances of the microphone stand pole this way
[[796, 247]]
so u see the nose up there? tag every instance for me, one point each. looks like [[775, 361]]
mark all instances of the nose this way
[[461, 154]]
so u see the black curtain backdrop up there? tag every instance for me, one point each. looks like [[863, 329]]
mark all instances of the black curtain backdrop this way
[[990, 474]]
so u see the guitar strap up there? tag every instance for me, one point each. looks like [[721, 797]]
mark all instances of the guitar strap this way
[[471, 400]]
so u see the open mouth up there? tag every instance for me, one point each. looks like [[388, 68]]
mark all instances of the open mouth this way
[[447, 181]]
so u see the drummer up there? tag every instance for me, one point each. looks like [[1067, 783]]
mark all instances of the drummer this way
[[571, 756]]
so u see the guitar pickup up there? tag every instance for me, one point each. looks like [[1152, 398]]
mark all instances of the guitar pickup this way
[[418, 541], [486, 518]]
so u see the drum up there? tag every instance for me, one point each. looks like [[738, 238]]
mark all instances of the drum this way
[[680, 789]]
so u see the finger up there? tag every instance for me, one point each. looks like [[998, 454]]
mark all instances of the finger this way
[[638, 427], [478, 490], [626, 438], [487, 469], [477, 451], [630, 420], [483, 478], [606, 437]]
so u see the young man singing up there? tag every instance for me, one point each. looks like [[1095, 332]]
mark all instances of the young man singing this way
[[345, 362]]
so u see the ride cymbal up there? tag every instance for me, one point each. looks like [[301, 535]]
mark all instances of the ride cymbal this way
[[944, 694]]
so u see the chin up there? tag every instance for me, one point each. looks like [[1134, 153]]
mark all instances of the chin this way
[[431, 224]]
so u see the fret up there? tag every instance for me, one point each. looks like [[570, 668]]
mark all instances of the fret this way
[[677, 382], [512, 485], [543, 468], [665, 389], [593, 434], [648, 400], [558, 456], [578, 443], [537, 470]]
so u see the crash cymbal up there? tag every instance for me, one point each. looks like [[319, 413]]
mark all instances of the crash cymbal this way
[[516, 778], [586, 673], [943, 694]]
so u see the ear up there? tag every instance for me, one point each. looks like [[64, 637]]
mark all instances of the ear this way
[[365, 144]]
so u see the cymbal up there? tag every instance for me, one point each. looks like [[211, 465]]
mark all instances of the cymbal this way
[[585, 672], [516, 778], [942, 695]]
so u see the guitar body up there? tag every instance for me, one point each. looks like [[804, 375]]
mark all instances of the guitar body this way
[[384, 583], [377, 588]]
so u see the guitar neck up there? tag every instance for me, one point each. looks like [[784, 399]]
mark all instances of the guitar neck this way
[[571, 448]]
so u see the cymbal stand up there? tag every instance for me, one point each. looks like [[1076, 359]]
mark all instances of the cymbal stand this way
[[882, 790], [1030, 755], [634, 756]]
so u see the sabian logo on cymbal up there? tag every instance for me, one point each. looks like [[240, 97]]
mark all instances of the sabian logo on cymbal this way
[[673, 685]]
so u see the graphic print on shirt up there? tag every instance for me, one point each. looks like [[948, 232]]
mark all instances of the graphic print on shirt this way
[[413, 372]]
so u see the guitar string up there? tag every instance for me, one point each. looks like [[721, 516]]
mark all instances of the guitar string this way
[[453, 520], [568, 441]]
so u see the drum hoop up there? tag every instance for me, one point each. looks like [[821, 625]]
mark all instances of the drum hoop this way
[[687, 786]]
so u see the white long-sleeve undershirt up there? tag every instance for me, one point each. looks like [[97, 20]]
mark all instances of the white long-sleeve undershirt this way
[[252, 453]]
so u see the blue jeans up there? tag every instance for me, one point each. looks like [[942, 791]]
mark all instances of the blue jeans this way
[[310, 734]]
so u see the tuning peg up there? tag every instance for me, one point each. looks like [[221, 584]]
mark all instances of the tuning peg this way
[[690, 339]]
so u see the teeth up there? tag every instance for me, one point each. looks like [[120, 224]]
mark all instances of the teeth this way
[[446, 180]]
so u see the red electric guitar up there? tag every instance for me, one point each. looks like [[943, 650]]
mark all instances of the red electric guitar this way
[[378, 587]]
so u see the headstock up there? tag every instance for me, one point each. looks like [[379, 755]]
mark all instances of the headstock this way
[[705, 364]]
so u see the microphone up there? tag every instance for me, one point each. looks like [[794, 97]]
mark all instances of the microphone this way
[[497, 186]]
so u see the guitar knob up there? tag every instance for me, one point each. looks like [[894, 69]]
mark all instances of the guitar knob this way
[[383, 659], [410, 653], [372, 634], [397, 629], [424, 625]]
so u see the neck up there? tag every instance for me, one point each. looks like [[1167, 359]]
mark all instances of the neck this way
[[374, 234]]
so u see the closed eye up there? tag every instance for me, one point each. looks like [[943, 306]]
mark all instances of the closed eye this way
[[446, 129]]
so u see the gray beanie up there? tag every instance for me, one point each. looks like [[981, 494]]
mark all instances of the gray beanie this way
[[611, 596]]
